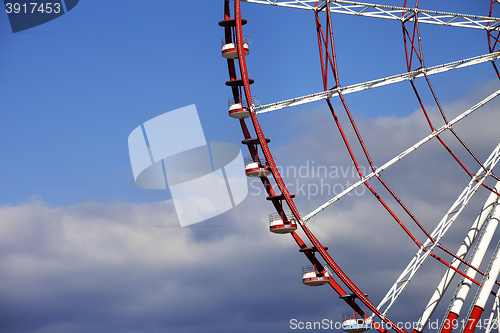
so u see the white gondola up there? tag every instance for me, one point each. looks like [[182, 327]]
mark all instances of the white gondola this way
[[278, 226], [240, 110], [354, 323], [229, 50], [311, 277], [255, 167]]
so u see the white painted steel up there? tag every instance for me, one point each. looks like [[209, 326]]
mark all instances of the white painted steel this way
[[438, 233], [309, 275], [400, 156], [377, 83], [252, 165], [493, 320], [483, 244], [391, 12], [491, 278], [464, 286], [487, 283], [235, 106]]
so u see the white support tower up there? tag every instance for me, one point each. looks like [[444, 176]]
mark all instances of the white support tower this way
[[484, 292], [490, 225], [493, 320], [464, 286], [441, 229]]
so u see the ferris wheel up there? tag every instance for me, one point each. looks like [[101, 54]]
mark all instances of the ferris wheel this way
[[461, 265]]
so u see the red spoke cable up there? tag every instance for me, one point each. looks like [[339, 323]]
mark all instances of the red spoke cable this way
[[334, 54], [412, 40], [490, 35], [491, 50], [443, 115], [416, 27], [378, 176], [409, 60], [346, 142], [495, 38], [327, 55], [451, 128]]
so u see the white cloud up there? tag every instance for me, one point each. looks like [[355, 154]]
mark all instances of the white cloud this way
[[124, 267]]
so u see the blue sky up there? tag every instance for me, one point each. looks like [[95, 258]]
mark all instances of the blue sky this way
[[74, 90], [78, 250]]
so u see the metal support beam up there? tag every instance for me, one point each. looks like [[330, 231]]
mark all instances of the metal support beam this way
[[377, 83], [391, 12], [484, 242]]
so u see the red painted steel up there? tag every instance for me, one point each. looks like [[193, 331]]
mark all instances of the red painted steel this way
[[451, 320], [473, 319]]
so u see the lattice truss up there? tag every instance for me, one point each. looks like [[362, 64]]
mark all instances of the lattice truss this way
[[480, 234]]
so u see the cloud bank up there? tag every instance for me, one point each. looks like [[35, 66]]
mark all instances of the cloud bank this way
[[125, 267]]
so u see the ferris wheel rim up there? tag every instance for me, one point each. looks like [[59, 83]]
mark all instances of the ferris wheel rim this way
[[286, 196]]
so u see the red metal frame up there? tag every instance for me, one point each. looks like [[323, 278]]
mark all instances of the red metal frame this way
[[493, 40], [238, 94], [413, 49]]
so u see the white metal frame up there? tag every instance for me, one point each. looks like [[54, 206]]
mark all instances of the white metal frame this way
[[392, 13], [377, 83], [400, 156]]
